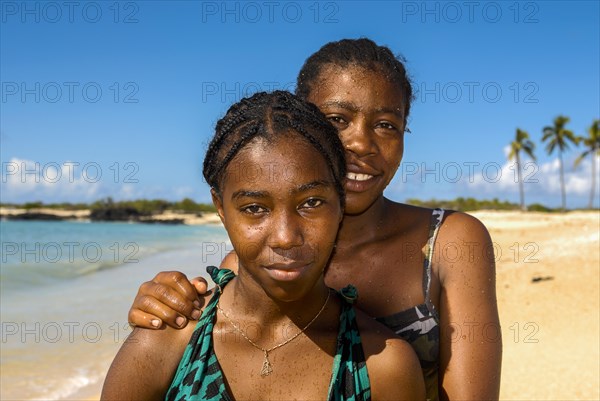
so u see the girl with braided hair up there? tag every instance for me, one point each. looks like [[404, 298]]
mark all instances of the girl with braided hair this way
[[427, 274], [314, 345]]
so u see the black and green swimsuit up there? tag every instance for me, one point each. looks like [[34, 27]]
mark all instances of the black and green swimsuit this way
[[200, 377]]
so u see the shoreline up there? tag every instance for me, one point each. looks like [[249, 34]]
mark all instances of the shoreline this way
[[70, 345], [547, 285], [168, 217]]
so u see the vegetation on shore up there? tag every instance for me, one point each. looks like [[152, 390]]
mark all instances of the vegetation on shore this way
[[472, 204], [108, 209]]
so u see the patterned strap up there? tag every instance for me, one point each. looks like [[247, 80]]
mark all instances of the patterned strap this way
[[349, 377], [220, 276], [436, 221], [349, 293], [199, 374]]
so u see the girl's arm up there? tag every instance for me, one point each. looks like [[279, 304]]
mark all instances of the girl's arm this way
[[471, 339], [172, 299], [145, 365]]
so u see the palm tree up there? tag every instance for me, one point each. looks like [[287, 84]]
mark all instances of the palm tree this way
[[557, 137], [521, 143], [592, 143]]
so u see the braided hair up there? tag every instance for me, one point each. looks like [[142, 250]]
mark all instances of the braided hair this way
[[269, 116], [356, 52]]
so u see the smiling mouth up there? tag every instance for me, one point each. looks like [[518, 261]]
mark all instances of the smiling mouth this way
[[358, 177]]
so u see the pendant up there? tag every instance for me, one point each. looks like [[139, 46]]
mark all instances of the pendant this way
[[267, 368]]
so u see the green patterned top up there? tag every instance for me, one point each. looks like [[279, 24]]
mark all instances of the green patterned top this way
[[200, 377]]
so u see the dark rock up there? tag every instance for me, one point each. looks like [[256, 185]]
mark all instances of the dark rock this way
[[115, 214], [539, 278], [37, 216], [159, 221]]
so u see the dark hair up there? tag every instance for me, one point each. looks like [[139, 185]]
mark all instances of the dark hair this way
[[269, 116], [356, 52]]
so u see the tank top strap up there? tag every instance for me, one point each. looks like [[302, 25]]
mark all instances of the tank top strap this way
[[349, 377], [199, 372], [437, 216], [349, 293], [220, 276]]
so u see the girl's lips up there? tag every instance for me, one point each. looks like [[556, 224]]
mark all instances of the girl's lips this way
[[285, 272], [357, 182], [358, 176]]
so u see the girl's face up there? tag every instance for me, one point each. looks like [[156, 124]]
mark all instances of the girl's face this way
[[368, 111], [282, 212]]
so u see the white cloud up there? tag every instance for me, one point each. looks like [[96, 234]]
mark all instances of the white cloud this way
[[30, 180], [540, 181], [26, 181]]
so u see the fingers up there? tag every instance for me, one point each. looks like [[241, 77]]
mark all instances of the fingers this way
[[169, 298], [179, 282], [200, 284], [172, 299], [137, 318], [151, 308], [173, 289]]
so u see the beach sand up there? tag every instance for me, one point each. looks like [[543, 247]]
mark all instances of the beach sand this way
[[550, 327]]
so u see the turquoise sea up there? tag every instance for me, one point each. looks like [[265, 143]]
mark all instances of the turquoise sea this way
[[65, 290]]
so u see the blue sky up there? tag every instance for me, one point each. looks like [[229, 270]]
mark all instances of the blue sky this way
[[120, 99]]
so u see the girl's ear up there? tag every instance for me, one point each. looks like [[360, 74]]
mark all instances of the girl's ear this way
[[216, 198]]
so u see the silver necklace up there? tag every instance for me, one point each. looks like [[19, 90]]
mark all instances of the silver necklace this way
[[267, 367]]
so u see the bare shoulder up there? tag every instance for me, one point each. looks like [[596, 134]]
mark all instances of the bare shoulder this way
[[461, 225], [406, 217], [463, 241], [455, 224], [146, 363], [230, 262], [151, 343], [380, 341], [393, 366]]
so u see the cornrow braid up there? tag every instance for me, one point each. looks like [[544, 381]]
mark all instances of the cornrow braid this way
[[269, 116], [360, 53]]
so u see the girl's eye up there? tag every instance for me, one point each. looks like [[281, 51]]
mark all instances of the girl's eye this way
[[336, 120], [386, 125], [312, 203], [253, 209]]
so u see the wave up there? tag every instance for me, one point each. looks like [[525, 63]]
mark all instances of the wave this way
[[43, 253]]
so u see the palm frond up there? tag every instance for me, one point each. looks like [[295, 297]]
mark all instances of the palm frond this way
[[581, 157]]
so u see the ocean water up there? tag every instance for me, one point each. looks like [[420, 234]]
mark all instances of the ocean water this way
[[66, 288]]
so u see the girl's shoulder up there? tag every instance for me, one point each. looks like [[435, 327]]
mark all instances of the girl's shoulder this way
[[145, 363], [450, 220], [376, 338], [393, 366], [407, 221]]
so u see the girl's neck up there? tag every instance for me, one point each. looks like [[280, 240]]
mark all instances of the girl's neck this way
[[364, 227], [246, 300]]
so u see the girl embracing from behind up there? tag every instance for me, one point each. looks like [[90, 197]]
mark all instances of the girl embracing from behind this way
[[427, 274], [275, 331]]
